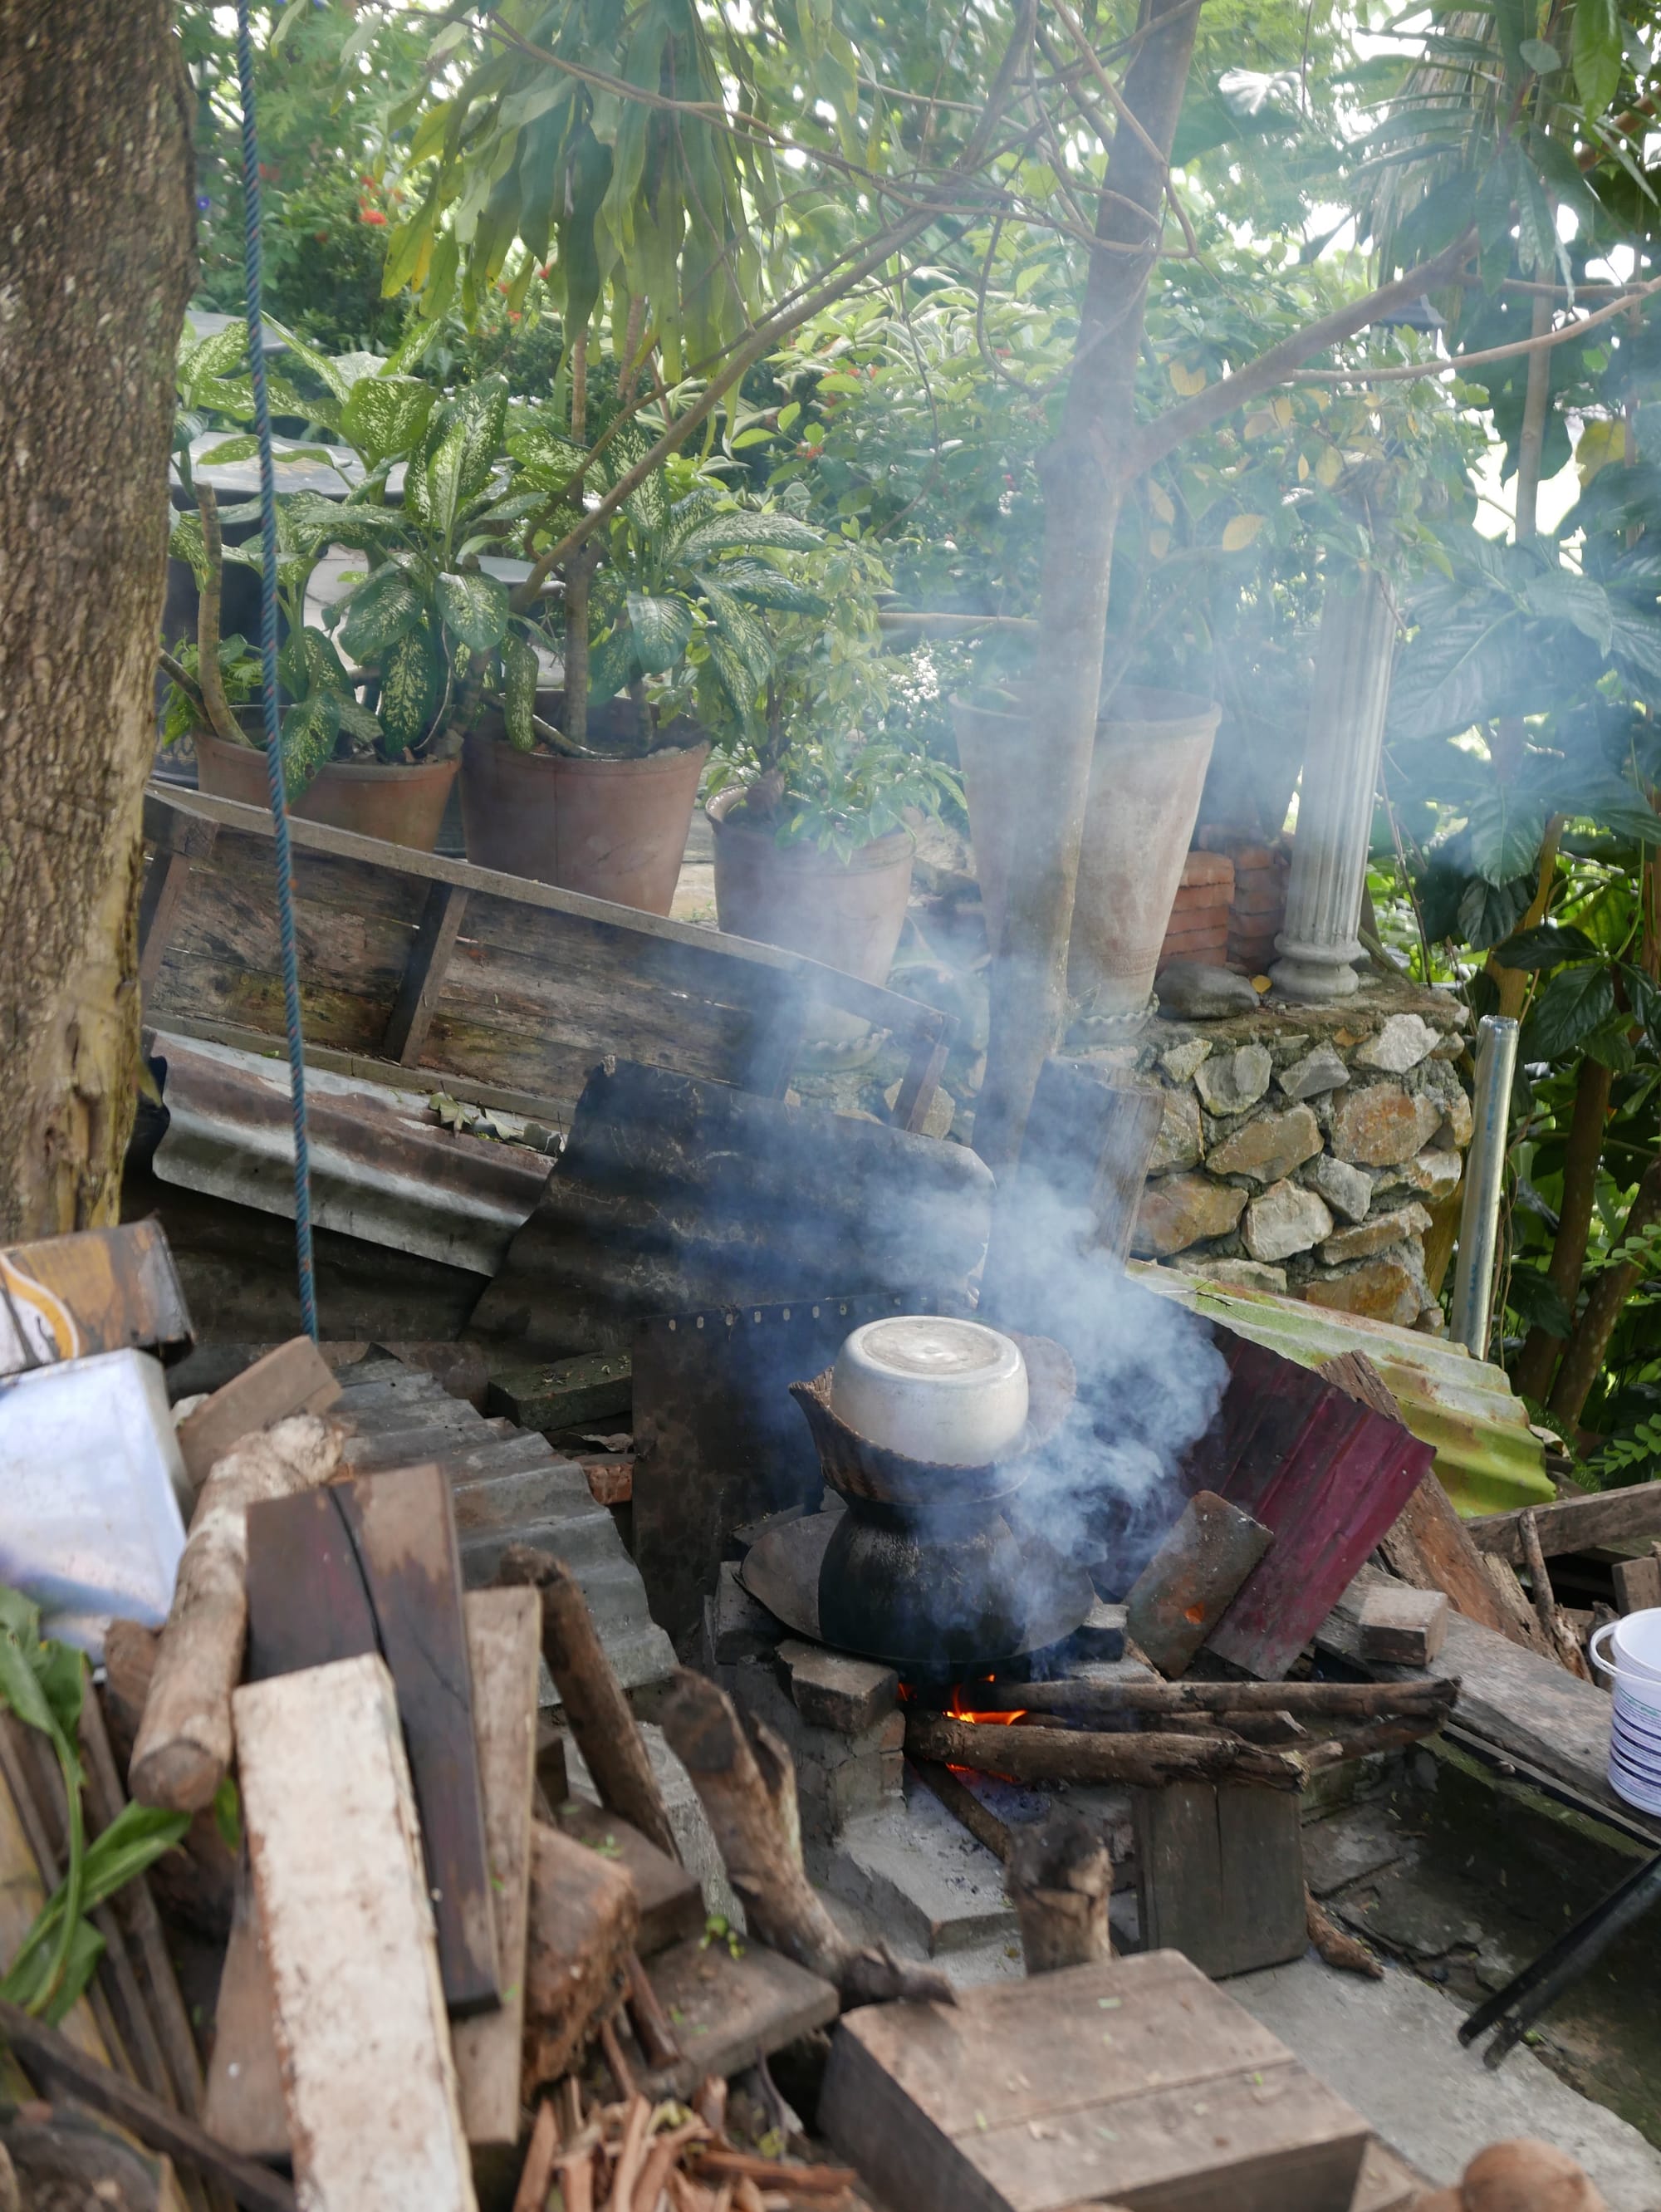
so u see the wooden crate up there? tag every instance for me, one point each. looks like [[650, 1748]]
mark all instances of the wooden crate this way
[[1135, 2083]]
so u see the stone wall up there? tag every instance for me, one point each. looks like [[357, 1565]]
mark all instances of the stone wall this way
[[1303, 1146]]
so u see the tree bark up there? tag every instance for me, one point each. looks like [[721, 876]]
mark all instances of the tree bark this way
[[1532, 1378], [1596, 1326], [1060, 1879], [95, 272], [1083, 475]]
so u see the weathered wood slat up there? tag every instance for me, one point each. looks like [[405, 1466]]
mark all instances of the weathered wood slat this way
[[1575, 1524], [367, 2075], [423, 979]]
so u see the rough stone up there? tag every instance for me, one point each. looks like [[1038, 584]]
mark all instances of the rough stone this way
[[1347, 1190], [1178, 1144], [1182, 1060], [1316, 1072], [1375, 1235], [1197, 993], [1229, 1082], [1434, 1174], [1180, 1210], [1240, 1274], [1286, 1219], [942, 1110], [1382, 1125], [1458, 1122], [1268, 1148], [1379, 1290], [1402, 1044]]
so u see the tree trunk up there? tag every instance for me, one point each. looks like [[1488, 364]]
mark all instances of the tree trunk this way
[[1596, 1326], [1584, 1151], [94, 274], [1083, 478]]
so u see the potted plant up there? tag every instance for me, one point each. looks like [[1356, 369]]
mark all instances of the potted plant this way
[[594, 791], [374, 746], [809, 800]]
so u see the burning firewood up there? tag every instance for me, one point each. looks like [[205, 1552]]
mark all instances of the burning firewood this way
[[1318, 1706], [1145, 1761], [748, 1787]]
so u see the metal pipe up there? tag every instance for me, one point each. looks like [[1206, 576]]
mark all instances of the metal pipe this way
[[1479, 1217]]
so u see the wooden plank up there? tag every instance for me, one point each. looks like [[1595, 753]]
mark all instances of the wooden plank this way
[[368, 2079], [1575, 1524], [1406, 1626], [1189, 1582], [504, 1642], [671, 1904], [583, 1923], [372, 1565], [1083, 2086], [1220, 1875], [731, 2011], [244, 2106], [423, 979], [158, 910], [294, 1378], [921, 1080], [1637, 1583]]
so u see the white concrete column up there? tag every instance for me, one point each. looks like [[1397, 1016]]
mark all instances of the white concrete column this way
[[1353, 655]]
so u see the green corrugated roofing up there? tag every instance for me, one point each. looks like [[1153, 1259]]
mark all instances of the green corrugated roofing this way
[[1488, 1458]]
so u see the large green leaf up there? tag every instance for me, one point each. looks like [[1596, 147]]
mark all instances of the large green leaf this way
[[483, 411], [1561, 594], [1576, 1002], [386, 417], [217, 355], [1597, 53], [661, 627], [409, 679], [724, 533], [382, 609], [323, 668], [741, 630], [520, 674], [1547, 945], [443, 480], [337, 381], [1489, 912], [764, 586], [733, 678], [473, 608], [1451, 674], [611, 664], [547, 458], [1504, 830], [309, 730]]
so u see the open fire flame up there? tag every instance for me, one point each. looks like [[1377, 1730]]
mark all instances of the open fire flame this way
[[961, 1707]]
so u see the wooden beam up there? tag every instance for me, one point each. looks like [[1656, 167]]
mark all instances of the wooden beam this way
[[922, 1077], [367, 2074], [1574, 1524], [158, 909], [423, 978]]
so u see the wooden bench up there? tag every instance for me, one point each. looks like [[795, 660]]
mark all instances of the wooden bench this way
[[507, 990]]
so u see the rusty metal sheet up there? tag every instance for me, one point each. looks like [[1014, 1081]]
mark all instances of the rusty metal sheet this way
[[718, 1441], [1488, 1457], [382, 1168], [101, 1290]]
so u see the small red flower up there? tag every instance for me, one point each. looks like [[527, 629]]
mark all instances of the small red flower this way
[[375, 215]]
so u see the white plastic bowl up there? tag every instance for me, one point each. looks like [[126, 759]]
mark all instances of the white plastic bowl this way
[[950, 1392]]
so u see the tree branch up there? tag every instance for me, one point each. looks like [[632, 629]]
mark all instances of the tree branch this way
[[1168, 431], [1402, 372]]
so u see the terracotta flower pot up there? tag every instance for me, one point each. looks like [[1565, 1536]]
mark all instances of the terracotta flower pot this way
[[1146, 777], [400, 805], [610, 828], [849, 914]]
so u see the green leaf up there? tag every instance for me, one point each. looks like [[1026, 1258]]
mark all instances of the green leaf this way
[[409, 679], [661, 627], [738, 532], [520, 676], [307, 738], [1489, 912], [356, 722], [336, 380], [473, 608], [547, 459], [1559, 595], [763, 586], [184, 544], [323, 668], [1539, 1303], [733, 678], [381, 610], [1576, 1001], [742, 630], [217, 355], [443, 480], [233, 449], [1541, 58], [1503, 830], [1547, 945], [611, 664], [482, 411], [1597, 53], [20, 1690], [386, 417]]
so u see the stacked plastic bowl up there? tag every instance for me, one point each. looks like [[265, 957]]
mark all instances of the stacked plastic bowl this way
[[1634, 1662]]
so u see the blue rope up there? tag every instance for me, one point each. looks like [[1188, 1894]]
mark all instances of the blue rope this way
[[268, 641]]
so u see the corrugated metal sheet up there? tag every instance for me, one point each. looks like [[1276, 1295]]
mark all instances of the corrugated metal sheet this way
[[382, 1168], [1488, 1458]]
